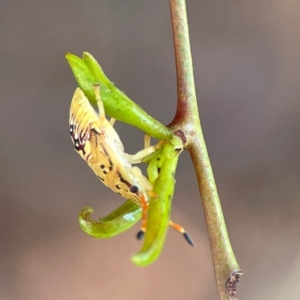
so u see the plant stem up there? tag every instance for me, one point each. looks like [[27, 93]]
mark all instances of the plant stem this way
[[186, 123]]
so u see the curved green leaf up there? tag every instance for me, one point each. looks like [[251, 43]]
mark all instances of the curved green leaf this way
[[120, 220]]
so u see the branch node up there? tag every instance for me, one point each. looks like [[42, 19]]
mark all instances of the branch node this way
[[232, 283], [181, 135]]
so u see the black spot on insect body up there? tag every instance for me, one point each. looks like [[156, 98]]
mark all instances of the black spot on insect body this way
[[158, 170], [118, 186], [158, 159], [107, 155], [134, 189], [107, 169], [79, 142], [78, 145], [72, 132]]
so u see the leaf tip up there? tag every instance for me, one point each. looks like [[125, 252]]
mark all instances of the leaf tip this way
[[138, 261]]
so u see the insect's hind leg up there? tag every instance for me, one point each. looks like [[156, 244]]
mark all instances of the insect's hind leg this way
[[144, 205], [141, 233], [182, 230]]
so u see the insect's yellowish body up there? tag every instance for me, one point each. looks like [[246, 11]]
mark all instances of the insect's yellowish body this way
[[98, 143]]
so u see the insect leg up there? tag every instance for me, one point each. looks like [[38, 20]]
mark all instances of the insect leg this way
[[139, 156], [147, 141], [112, 121], [144, 205], [182, 230], [99, 102]]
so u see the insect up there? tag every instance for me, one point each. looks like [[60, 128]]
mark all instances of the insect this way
[[98, 143]]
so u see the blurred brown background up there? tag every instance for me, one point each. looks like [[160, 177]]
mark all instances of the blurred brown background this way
[[247, 70]]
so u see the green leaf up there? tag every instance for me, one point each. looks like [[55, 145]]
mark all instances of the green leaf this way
[[120, 220], [88, 72], [159, 208]]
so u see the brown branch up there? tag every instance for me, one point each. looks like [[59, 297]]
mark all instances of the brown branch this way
[[186, 124]]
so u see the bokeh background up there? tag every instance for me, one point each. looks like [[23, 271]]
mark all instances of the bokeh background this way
[[247, 70]]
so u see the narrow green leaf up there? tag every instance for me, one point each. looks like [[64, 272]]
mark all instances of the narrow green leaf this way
[[159, 208], [87, 72]]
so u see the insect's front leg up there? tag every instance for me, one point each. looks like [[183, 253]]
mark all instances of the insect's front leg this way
[[100, 103], [112, 121], [139, 156], [147, 142]]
